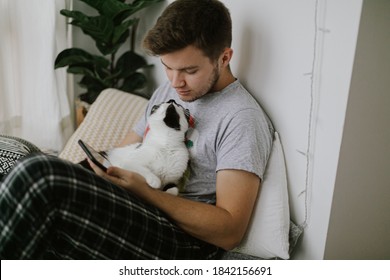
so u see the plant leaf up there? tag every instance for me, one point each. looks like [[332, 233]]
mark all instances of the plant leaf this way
[[77, 15], [80, 70], [99, 28], [128, 63], [109, 8], [133, 82], [89, 96], [134, 7], [80, 62], [93, 83], [122, 29], [75, 56]]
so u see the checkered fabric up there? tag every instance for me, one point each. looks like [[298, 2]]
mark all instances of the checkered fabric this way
[[52, 208]]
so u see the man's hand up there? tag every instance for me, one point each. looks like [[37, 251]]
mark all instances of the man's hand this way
[[131, 181]]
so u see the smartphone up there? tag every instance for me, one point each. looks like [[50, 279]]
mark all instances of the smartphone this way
[[101, 161]]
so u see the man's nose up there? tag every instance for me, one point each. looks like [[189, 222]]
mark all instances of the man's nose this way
[[177, 80]]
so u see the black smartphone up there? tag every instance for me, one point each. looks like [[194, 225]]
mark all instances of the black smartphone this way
[[97, 158]]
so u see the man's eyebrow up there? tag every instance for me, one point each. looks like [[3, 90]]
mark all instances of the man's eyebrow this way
[[183, 68]]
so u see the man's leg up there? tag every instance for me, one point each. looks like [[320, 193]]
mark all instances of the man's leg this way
[[52, 207]]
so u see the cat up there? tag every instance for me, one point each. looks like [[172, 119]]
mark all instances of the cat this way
[[162, 157]]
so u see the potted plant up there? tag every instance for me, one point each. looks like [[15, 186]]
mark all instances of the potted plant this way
[[110, 29]]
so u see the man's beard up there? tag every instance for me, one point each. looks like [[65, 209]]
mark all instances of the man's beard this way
[[209, 87]]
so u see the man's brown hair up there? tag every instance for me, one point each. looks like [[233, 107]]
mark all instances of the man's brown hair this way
[[205, 24]]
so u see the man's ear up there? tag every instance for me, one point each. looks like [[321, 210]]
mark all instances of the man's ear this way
[[226, 56]]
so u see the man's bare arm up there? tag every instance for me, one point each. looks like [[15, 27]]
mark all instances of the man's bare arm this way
[[131, 138], [225, 224]]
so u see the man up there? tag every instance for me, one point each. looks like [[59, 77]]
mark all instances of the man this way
[[56, 209]]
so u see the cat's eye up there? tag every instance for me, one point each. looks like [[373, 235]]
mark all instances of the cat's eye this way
[[154, 108]]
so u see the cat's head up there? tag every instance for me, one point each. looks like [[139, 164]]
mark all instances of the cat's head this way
[[169, 115]]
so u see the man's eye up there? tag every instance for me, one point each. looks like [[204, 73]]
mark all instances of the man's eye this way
[[191, 71]]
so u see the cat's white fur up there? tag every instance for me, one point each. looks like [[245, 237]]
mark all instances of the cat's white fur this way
[[162, 157]]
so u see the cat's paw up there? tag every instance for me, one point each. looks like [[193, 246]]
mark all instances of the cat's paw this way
[[173, 191], [153, 181]]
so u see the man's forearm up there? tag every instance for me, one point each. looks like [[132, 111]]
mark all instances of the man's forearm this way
[[204, 221], [130, 138]]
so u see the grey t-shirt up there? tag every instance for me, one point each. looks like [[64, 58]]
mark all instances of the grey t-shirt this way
[[231, 132]]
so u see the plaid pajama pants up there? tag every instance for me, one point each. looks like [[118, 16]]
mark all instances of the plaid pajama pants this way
[[50, 208]]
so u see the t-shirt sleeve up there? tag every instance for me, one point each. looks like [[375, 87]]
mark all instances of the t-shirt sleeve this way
[[245, 142], [140, 126]]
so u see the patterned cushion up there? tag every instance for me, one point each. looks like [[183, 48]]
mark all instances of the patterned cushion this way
[[107, 122], [11, 150]]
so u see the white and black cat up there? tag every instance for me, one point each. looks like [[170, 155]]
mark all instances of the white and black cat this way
[[162, 157]]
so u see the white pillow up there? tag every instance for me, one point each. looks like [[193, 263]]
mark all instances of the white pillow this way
[[268, 232]]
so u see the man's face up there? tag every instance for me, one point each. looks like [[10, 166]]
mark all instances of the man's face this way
[[191, 73]]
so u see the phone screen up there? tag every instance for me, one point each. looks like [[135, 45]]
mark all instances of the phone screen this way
[[100, 160]]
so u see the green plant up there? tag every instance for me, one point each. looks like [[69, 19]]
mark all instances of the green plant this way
[[110, 29]]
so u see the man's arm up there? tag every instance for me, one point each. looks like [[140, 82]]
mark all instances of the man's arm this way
[[223, 225], [130, 138]]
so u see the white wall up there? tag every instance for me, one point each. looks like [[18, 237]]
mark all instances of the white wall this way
[[277, 46]]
